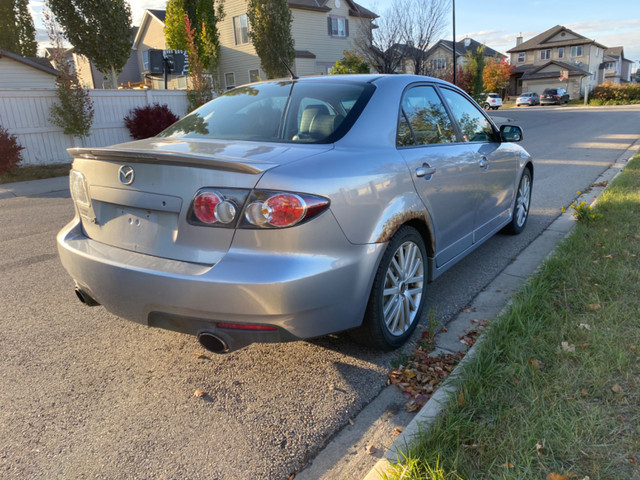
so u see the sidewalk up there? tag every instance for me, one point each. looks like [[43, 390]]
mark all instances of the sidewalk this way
[[34, 187]]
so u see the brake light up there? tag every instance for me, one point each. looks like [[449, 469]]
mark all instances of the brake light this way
[[78, 188], [283, 209], [216, 206]]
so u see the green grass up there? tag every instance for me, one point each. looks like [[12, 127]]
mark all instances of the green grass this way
[[530, 407], [36, 172]]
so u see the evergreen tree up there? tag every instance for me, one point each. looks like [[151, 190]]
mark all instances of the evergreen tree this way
[[17, 33], [203, 16], [98, 29], [270, 32]]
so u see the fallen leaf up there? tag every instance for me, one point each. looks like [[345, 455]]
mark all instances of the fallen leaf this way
[[633, 460], [583, 391], [586, 326], [199, 393], [608, 256], [370, 449], [398, 430], [594, 307], [617, 389], [516, 381], [535, 363], [351, 422], [633, 348], [468, 310], [474, 445], [539, 449], [199, 355], [507, 465], [444, 329], [567, 348], [292, 476], [556, 476], [584, 345], [460, 399]]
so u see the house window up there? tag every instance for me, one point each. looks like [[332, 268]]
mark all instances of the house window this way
[[522, 56], [254, 75], [561, 52], [229, 80], [545, 54], [576, 51], [338, 27], [182, 83], [438, 64], [145, 60], [241, 29]]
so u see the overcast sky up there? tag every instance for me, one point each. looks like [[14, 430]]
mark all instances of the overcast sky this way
[[611, 22]]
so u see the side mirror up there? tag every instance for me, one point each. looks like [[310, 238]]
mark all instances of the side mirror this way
[[511, 133]]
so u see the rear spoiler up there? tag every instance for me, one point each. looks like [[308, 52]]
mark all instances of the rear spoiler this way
[[217, 162]]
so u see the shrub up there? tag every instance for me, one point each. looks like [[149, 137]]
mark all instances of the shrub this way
[[10, 149], [614, 94], [145, 122]]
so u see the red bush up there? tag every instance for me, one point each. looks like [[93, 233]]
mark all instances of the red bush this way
[[145, 122], [10, 149]]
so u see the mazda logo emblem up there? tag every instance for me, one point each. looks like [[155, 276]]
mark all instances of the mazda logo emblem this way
[[126, 175]]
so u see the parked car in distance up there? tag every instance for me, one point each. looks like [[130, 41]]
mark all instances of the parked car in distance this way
[[293, 209], [489, 101], [554, 96], [528, 98]]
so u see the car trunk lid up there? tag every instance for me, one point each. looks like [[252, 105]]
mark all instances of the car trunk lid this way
[[140, 192]]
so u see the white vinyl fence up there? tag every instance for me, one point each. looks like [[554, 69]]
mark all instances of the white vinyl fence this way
[[25, 113]]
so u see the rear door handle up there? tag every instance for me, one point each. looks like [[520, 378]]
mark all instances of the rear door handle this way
[[484, 163], [425, 170]]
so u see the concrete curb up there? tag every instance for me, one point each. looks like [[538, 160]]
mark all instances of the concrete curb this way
[[489, 304], [34, 187]]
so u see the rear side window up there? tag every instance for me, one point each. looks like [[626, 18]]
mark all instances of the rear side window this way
[[473, 124], [297, 112], [423, 119]]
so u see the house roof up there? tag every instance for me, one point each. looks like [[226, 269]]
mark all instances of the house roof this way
[[159, 14], [355, 10], [542, 40], [462, 49], [34, 63], [537, 71], [617, 53]]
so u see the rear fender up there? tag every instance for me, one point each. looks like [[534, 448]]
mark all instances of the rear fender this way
[[407, 209]]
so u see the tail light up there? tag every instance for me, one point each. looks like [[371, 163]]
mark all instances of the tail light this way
[[264, 209]]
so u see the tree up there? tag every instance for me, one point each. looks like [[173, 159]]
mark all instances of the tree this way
[[98, 29], [74, 110], [203, 16], [350, 63], [200, 91], [270, 32], [405, 31], [17, 33], [496, 74], [474, 65]]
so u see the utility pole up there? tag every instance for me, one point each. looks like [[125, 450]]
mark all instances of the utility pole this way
[[454, 42]]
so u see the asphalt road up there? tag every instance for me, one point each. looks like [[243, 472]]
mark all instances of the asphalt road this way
[[84, 394]]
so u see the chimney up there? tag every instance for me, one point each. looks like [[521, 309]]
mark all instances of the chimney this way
[[518, 40]]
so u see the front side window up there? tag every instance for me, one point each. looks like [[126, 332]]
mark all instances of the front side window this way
[[423, 119], [241, 29], [338, 27], [576, 51], [292, 112], [522, 57], [545, 54], [473, 124]]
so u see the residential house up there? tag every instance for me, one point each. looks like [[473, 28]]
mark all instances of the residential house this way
[[88, 75], [321, 29], [614, 67], [17, 72], [440, 56], [556, 58]]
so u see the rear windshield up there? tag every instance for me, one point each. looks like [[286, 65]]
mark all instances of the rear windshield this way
[[494, 95], [552, 91], [286, 111]]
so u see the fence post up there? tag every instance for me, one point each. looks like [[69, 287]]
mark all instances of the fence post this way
[[149, 96]]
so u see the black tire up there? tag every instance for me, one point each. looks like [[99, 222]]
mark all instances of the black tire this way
[[521, 205], [487, 106], [398, 294]]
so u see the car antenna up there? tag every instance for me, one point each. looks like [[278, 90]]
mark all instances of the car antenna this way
[[293, 75]]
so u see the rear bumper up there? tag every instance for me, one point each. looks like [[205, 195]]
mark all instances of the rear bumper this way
[[302, 295]]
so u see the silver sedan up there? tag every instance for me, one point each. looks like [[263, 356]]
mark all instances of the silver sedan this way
[[293, 209]]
